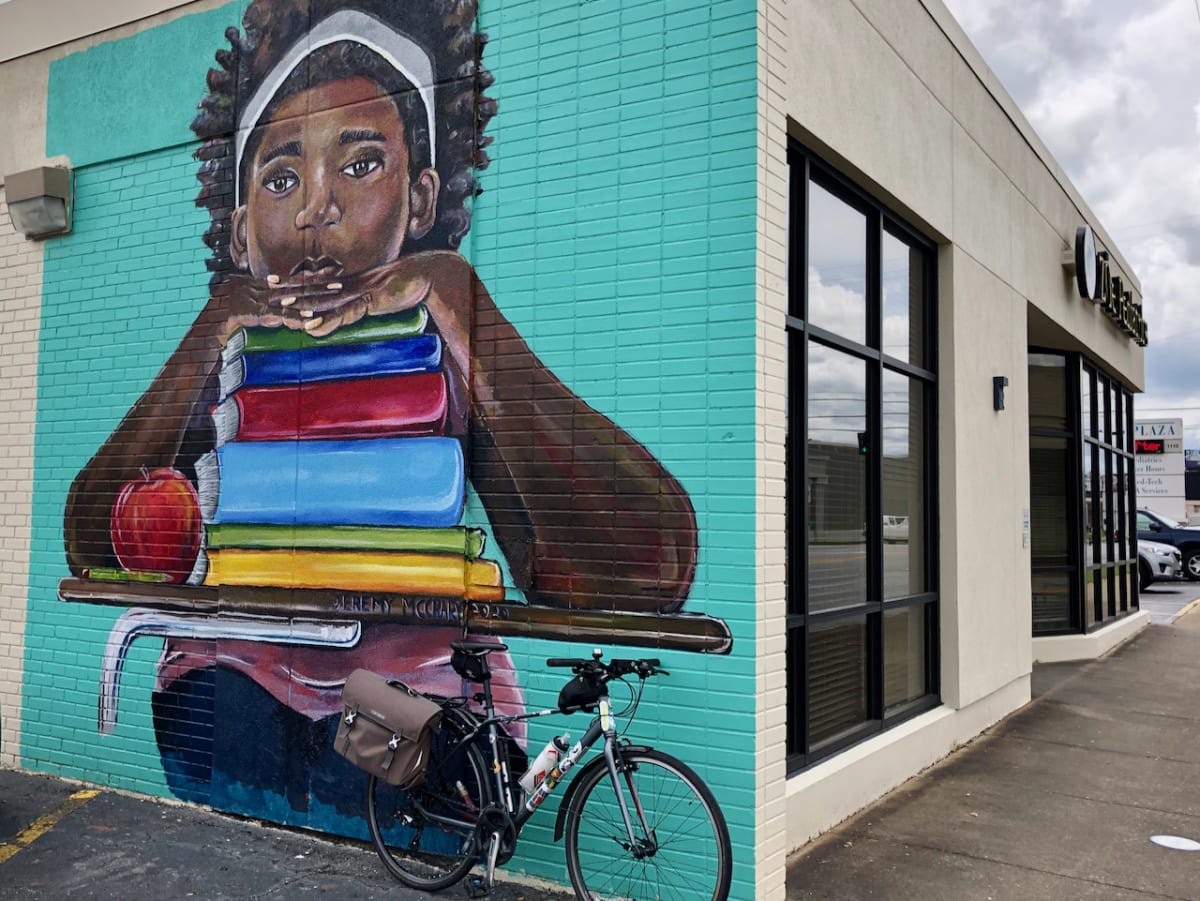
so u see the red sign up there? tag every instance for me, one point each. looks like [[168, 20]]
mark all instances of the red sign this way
[[1148, 446]]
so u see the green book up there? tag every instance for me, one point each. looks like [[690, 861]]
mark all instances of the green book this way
[[371, 328], [450, 540]]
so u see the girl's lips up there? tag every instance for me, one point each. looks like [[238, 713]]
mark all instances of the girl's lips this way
[[320, 268]]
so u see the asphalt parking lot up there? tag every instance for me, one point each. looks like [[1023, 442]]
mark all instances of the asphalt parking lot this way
[[59, 839], [1165, 602]]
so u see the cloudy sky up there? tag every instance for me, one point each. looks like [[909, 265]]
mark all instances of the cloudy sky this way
[[1113, 88]]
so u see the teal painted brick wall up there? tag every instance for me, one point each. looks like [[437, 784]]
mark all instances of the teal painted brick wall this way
[[118, 294], [625, 144], [616, 231]]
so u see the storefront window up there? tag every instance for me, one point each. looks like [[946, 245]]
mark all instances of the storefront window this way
[[838, 693], [1087, 385], [1084, 544], [904, 635], [837, 479], [1048, 392], [903, 283], [904, 487], [837, 266], [861, 629]]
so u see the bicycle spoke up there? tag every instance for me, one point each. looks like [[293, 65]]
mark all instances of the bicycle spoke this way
[[425, 836], [688, 858]]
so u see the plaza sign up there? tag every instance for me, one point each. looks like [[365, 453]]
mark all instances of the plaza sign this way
[[1095, 282], [1159, 466]]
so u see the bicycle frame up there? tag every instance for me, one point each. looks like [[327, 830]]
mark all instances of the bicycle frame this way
[[602, 726]]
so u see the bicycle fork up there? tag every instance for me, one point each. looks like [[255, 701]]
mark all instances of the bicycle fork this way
[[638, 847]]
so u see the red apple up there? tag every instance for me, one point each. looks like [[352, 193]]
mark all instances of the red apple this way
[[156, 525]]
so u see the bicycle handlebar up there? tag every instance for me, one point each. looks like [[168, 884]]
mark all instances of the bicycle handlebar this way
[[614, 669]]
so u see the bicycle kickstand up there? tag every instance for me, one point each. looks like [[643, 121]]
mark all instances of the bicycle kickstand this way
[[481, 886]]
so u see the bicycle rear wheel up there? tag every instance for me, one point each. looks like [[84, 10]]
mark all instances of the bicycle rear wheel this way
[[425, 836], [685, 856]]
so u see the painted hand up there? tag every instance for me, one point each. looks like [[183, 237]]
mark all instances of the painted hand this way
[[321, 309]]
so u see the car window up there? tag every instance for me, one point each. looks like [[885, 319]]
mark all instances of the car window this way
[[1143, 522]]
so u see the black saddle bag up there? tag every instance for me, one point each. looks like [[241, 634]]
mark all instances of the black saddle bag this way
[[386, 728]]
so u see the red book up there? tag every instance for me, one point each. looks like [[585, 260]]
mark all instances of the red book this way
[[387, 407]]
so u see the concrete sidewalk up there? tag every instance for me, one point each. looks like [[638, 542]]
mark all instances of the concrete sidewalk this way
[[1056, 802]]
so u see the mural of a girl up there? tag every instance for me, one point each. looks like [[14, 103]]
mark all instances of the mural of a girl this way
[[340, 142]]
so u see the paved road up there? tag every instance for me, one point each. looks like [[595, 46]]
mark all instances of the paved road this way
[[1166, 601]]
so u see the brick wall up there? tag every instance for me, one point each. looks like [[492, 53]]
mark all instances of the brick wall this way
[[118, 294], [771, 431], [616, 231], [20, 283]]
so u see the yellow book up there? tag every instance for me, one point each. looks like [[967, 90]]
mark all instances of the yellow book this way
[[443, 575]]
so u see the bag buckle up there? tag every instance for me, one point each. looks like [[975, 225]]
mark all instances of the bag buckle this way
[[351, 715], [394, 743]]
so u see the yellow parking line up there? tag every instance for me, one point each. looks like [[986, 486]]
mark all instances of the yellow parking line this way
[[44, 824], [1188, 609]]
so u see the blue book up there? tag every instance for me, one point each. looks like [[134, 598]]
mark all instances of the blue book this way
[[399, 356], [376, 482]]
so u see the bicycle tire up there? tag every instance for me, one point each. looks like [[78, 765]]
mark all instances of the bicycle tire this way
[[421, 852], [692, 861]]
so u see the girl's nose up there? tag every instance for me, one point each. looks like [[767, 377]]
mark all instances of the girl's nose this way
[[320, 206]]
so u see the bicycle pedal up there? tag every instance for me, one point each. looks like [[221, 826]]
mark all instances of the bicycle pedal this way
[[477, 887]]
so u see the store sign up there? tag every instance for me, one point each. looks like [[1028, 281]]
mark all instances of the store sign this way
[[1096, 283], [1158, 465], [1158, 446]]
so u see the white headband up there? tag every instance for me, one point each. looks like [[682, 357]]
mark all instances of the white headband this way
[[399, 50]]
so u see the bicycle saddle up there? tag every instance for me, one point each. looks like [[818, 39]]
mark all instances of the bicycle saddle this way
[[477, 648]]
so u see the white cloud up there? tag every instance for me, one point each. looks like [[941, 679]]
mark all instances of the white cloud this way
[[1113, 88]]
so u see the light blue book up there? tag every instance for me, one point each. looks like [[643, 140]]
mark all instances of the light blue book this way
[[376, 482]]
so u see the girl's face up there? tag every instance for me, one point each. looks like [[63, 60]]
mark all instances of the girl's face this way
[[328, 190]]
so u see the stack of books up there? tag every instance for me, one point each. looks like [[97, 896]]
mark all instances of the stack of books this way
[[333, 469]]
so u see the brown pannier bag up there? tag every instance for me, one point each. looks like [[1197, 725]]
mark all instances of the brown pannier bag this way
[[386, 728]]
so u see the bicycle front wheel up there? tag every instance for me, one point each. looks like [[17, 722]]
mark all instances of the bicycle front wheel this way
[[425, 836], [682, 852]]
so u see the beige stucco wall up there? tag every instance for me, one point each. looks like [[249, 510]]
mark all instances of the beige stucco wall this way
[[23, 99], [34, 33], [893, 94], [27, 26]]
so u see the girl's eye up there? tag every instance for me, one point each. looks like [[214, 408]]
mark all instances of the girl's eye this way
[[281, 183], [362, 168]]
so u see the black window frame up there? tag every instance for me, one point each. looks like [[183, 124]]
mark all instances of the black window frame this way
[[1107, 433], [806, 167]]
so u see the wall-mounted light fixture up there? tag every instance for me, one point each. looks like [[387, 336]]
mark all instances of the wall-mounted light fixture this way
[[39, 201], [999, 383]]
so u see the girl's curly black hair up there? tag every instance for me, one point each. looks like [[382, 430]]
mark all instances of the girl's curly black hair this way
[[445, 28]]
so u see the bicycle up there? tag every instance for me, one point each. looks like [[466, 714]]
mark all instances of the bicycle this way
[[656, 833]]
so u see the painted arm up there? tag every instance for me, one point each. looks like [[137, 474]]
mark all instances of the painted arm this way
[[603, 523], [152, 434]]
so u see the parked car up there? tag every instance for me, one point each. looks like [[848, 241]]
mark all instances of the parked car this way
[[1156, 527], [895, 529], [1156, 561]]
